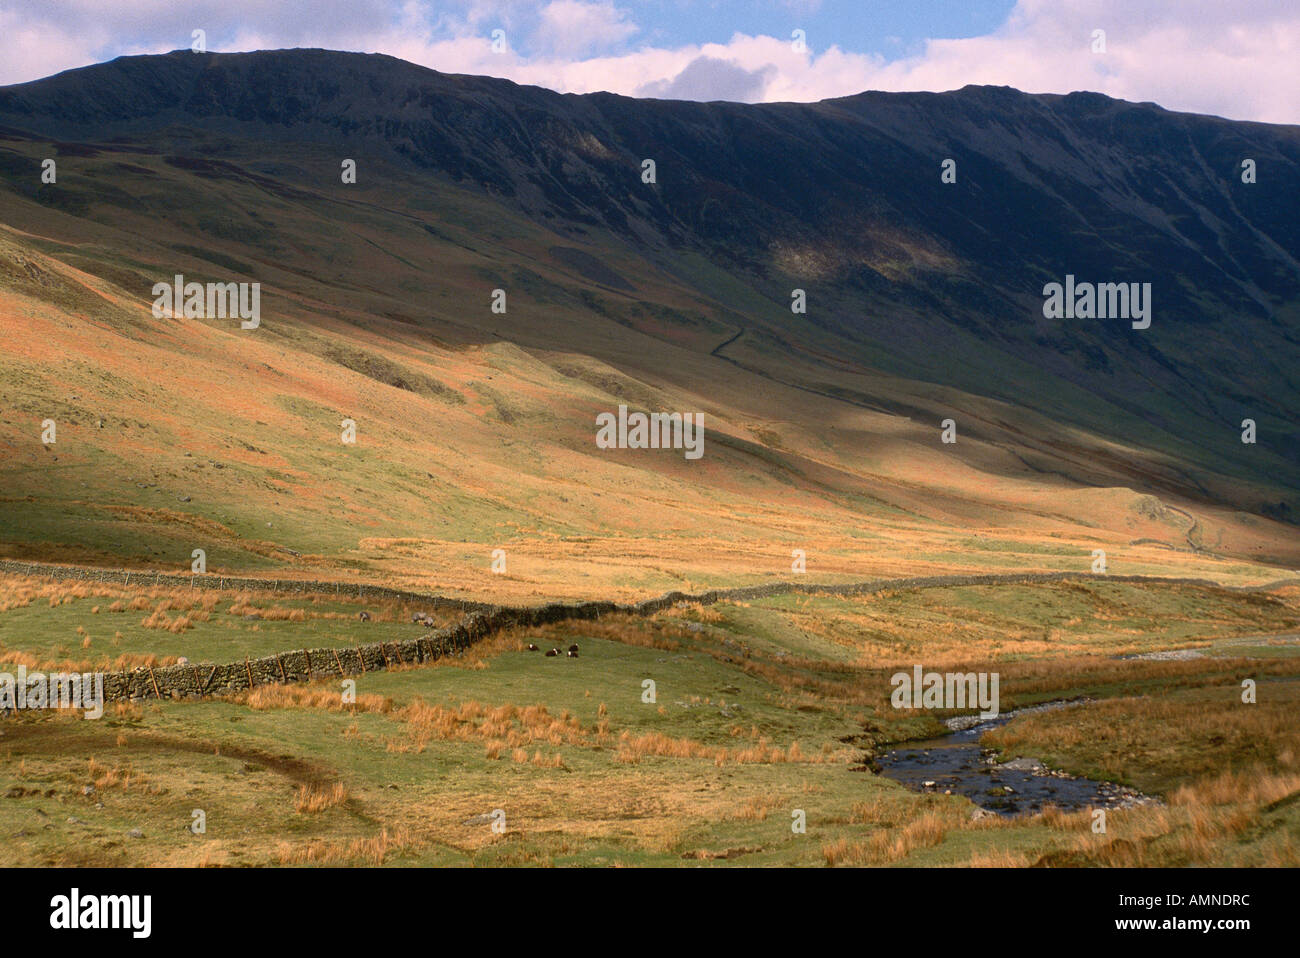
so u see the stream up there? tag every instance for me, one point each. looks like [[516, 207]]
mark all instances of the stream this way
[[957, 764]]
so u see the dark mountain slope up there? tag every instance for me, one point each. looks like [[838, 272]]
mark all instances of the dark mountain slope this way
[[905, 275]]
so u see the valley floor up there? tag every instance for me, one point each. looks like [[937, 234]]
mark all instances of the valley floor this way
[[763, 714]]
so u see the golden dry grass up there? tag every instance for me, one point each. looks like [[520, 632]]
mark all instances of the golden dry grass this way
[[632, 749], [886, 847], [316, 797], [374, 850]]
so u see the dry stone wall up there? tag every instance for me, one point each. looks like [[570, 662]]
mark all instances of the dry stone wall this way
[[480, 620]]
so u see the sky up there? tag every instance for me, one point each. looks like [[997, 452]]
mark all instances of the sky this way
[[1235, 59]]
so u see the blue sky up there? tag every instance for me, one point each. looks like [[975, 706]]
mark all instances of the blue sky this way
[[888, 29]]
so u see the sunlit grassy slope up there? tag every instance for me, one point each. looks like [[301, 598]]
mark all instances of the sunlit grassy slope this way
[[475, 429]]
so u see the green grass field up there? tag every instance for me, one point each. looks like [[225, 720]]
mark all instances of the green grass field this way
[[105, 626], [762, 711]]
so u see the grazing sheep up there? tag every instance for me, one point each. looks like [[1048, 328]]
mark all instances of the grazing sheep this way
[[363, 616], [417, 618]]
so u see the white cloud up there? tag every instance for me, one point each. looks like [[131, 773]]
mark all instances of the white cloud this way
[[708, 78], [573, 28]]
